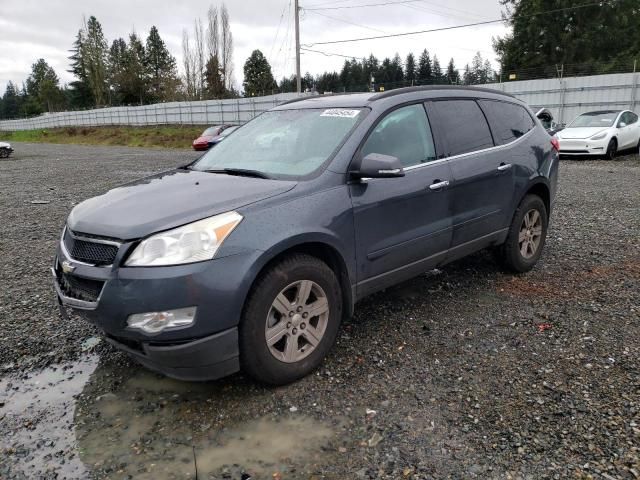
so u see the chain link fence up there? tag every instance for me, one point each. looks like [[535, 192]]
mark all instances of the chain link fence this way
[[205, 112]]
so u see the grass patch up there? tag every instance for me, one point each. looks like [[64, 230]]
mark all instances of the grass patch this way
[[159, 136]]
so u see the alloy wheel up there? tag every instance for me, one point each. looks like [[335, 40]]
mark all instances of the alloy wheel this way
[[297, 321], [530, 234]]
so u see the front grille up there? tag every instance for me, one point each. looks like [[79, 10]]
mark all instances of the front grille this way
[[564, 150], [79, 288], [87, 251]]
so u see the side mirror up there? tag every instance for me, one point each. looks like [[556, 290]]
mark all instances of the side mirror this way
[[622, 125], [376, 165]]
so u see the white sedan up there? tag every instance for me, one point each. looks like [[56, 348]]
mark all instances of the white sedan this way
[[603, 133], [5, 149]]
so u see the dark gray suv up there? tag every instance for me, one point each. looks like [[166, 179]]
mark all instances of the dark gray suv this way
[[251, 256]]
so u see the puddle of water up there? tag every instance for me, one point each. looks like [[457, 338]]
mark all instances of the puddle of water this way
[[36, 421], [152, 427], [118, 420], [264, 442]]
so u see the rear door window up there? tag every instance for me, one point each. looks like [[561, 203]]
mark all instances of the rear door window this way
[[461, 125], [508, 121]]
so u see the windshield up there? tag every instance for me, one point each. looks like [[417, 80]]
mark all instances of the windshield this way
[[289, 143], [594, 119], [228, 131], [210, 132]]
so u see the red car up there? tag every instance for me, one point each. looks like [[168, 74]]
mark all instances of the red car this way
[[202, 142]]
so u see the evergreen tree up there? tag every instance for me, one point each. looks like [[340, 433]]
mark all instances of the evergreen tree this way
[[363, 71], [425, 72], [437, 71], [79, 93], [410, 69], [307, 83], [579, 36], [468, 78], [397, 73], [117, 71], [161, 68], [258, 79], [213, 77], [489, 74], [135, 79], [385, 73], [10, 102], [43, 86], [93, 54], [452, 73]]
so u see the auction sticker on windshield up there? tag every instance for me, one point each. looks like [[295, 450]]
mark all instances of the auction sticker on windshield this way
[[340, 112]]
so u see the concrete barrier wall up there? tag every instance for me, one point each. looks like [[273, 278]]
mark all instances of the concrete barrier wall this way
[[205, 112]]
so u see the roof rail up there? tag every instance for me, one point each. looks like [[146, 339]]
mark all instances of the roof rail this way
[[420, 88], [299, 99]]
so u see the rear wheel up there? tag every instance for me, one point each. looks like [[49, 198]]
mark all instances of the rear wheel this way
[[612, 149], [526, 237], [291, 320]]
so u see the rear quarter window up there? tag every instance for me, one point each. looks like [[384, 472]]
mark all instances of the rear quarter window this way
[[508, 121]]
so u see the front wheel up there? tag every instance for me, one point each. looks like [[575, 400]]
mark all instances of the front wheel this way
[[612, 149], [291, 320], [527, 235]]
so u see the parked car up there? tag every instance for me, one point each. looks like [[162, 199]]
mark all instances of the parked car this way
[[251, 257], [601, 133], [5, 149], [202, 142], [225, 133]]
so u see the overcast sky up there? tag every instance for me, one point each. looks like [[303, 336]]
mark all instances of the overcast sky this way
[[32, 29]]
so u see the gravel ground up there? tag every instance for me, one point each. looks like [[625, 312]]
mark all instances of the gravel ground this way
[[464, 372]]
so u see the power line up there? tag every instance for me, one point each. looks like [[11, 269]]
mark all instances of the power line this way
[[275, 39], [328, 54], [453, 27], [345, 21], [366, 5]]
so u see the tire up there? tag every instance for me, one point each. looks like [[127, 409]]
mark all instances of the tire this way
[[612, 149], [299, 340], [511, 253], [4, 153]]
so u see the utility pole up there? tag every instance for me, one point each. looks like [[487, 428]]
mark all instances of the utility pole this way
[[298, 77]]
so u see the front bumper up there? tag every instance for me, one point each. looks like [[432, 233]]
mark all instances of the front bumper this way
[[205, 350], [583, 146]]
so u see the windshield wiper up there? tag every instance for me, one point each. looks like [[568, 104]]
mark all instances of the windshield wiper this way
[[241, 172]]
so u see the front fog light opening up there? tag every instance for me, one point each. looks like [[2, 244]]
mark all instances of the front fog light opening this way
[[156, 322]]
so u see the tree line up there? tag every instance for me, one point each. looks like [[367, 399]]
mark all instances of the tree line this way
[[131, 71], [369, 74], [581, 38]]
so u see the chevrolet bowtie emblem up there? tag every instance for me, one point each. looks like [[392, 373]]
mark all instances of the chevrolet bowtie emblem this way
[[68, 267]]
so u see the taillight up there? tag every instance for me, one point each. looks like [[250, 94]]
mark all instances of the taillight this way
[[555, 144]]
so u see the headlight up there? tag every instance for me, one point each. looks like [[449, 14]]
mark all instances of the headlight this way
[[190, 243], [599, 136]]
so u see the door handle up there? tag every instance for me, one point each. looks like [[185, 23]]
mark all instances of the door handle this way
[[437, 184], [504, 167]]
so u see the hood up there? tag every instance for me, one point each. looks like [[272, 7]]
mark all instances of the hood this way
[[5, 144], [580, 132], [168, 200]]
